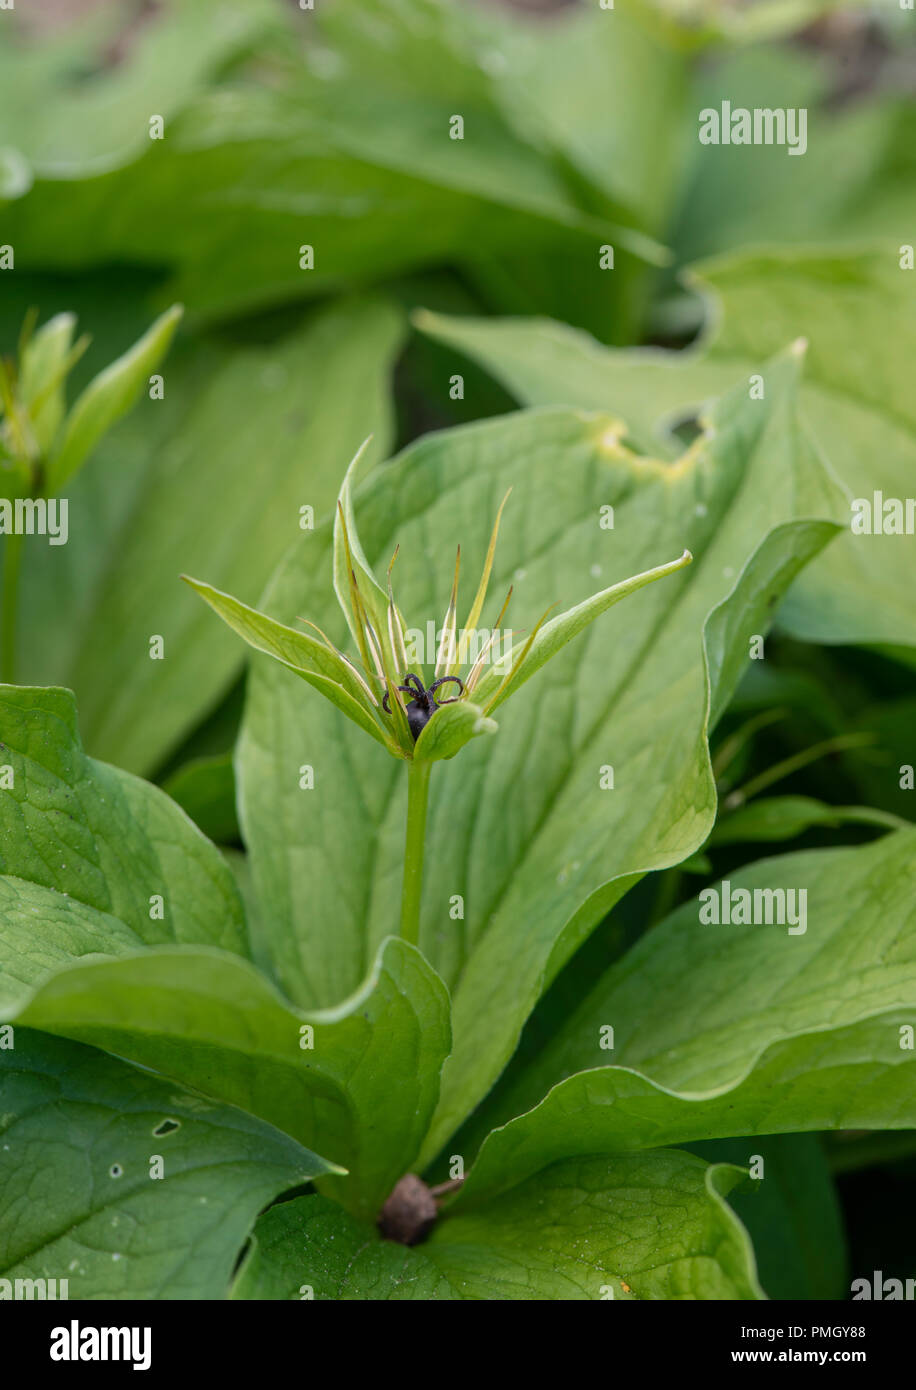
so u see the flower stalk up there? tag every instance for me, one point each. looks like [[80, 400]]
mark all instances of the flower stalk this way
[[418, 774]]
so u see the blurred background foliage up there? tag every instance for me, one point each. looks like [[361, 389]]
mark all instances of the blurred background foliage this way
[[285, 127]]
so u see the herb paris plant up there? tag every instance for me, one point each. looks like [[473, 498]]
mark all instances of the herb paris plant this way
[[43, 445], [426, 728], [215, 997], [547, 1011]]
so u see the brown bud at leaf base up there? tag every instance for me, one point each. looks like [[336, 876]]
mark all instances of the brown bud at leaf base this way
[[410, 1212]]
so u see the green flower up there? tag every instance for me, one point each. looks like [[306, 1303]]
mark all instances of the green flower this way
[[43, 444], [419, 714]]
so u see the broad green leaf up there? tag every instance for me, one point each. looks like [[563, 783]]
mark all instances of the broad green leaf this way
[[608, 92], [582, 1230], [791, 1213], [532, 98], [777, 1033], [858, 312], [785, 817], [312, 1248], [109, 396], [363, 1091], [421, 60], [125, 1185], [69, 108], [418, 46], [393, 108], [521, 832], [853, 183], [102, 838], [658, 1223], [44, 931], [852, 1077], [386, 189], [546, 363], [211, 480]]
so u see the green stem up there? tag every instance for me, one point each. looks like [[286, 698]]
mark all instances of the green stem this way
[[417, 798], [730, 747], [12, 555], [795, 764]]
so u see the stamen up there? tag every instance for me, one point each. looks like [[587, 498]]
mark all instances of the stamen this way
[[474, 674], [395, 622], [477, 605], [447, 653], [356, 602]]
